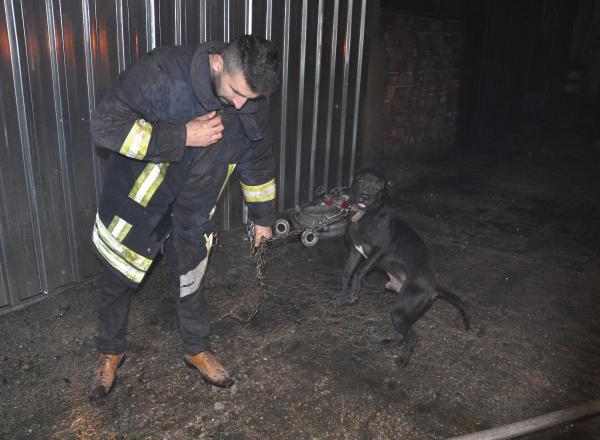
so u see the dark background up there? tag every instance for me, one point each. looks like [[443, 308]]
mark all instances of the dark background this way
[[461, 74]]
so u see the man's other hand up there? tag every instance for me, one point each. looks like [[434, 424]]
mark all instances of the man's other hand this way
[[260, 232], [204, 130]]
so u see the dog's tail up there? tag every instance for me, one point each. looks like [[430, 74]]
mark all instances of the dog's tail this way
[[455, 300]]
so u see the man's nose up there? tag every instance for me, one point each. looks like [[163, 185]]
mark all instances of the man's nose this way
[[239, 102]]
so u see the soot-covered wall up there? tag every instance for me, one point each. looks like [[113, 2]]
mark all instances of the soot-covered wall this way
[[424, 59]]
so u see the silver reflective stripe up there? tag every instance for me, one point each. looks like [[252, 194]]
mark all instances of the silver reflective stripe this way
[[189, 282]]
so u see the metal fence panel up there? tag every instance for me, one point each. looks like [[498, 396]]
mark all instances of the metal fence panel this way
[[59, 57], [20, 274], [42, 144], [78, 158]]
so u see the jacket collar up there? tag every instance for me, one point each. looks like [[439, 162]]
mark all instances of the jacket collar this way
[[202, 84]]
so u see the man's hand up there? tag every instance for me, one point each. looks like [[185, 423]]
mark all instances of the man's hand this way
[[260, 232], [204, 130]]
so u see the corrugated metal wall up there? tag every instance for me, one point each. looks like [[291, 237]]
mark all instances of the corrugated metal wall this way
[[60, 56]]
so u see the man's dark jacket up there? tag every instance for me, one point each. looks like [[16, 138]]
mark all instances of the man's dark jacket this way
[[155, 181]]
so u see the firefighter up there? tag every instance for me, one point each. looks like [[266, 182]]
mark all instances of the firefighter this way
[[178, 123]]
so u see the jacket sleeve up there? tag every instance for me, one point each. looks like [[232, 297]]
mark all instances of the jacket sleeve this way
[[127, 119], [257, 169]]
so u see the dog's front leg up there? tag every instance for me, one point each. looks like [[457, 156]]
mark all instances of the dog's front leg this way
[[361, 271], [351, 264]]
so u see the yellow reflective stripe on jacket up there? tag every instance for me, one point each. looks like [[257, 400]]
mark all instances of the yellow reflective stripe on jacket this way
[[259, 193], [117, 262], [229, 172], [119, 249], [137, 141], [119, 228], [208, 240], [146, 185]]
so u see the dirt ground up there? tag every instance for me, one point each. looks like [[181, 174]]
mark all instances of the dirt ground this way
[[514, 231]]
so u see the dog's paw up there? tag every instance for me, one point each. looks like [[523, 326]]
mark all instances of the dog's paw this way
[[402, 361], [348, 296], [351, 294], [346, 300], [394, 339]]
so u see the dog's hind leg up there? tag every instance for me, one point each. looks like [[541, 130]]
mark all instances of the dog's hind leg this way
[[412, 303], [410, 342]]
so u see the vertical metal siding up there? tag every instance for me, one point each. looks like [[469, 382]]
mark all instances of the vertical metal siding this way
[[59, 57], [72, 76], [283, 102], [227, 197], [315, 109], [58, 80], [299, 121], [19, 230], [176, 22], [120, 21], [26, 53], [346, 47], [358, 86]]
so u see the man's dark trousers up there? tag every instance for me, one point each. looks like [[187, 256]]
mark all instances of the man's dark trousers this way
[[113, 312]]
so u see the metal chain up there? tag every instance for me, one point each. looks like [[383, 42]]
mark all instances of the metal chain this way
[[260, 252], [260, 255]]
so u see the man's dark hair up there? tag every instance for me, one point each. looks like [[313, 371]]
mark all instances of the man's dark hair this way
[[257, 58]]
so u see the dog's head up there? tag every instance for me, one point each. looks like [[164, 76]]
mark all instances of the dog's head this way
[[368, 190]]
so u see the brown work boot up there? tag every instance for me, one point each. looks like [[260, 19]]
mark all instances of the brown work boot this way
[[105, 374], [211, 370]]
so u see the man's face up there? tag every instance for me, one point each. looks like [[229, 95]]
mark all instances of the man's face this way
[[232, 89]]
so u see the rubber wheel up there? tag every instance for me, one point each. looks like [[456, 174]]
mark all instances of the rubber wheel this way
[[282, 226], [310, 238]]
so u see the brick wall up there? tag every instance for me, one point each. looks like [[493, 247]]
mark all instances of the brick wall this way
[[424, 59]]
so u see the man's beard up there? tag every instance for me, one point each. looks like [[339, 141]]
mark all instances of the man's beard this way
[[215, 79]]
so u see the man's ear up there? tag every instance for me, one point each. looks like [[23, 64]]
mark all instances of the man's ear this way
[[216, 62]]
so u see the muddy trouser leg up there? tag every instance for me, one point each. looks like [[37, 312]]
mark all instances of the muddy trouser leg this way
[[113, 312], [192, 309]]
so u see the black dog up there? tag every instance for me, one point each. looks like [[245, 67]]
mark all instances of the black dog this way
[[379, 239]]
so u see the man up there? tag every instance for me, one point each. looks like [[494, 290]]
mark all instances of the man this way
[[179, 122]]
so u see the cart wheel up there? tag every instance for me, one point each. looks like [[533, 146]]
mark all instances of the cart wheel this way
[[310, 238], [282, 226]]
